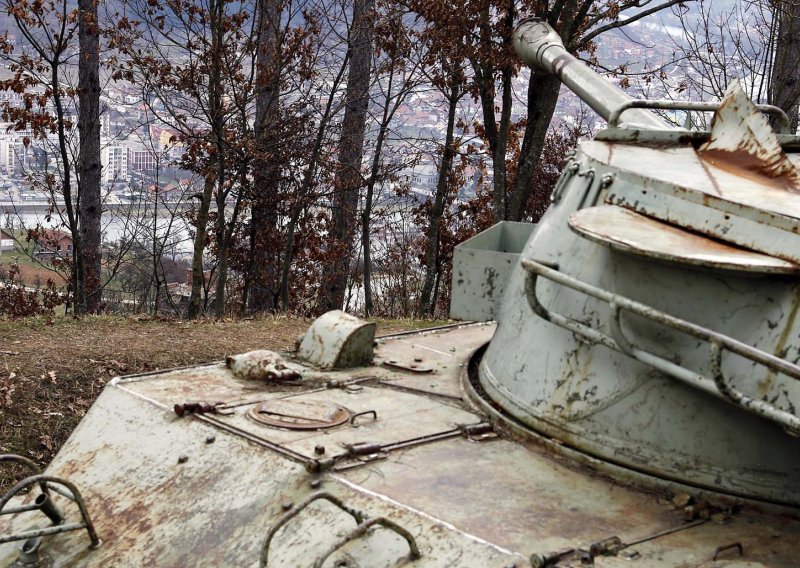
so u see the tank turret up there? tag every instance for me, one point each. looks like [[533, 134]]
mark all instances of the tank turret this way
[[650, 319]]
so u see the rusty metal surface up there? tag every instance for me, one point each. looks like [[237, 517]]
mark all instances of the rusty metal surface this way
[[738, 186], [677, 185], [686, 175], [399, 416], [544, 505], [717, 344], [625, 411], [337, 340], [630, 232], [742, 139], [539, 505], [170, 491], [148, 508]]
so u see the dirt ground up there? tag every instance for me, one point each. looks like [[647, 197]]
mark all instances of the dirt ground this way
[[51, 372]]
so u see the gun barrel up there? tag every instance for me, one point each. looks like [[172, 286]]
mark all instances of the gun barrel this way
[[540, 46]]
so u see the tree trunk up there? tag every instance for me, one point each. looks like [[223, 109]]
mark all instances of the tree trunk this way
[[543, 92], [216, 110], [366, 241], [222, 253], [90, 208], [496, 135], [195, 298], [288, 252], [351, 149], [76, 276], [262, 295], [785, 78], [500, 150], [426, 305], [155, 253]]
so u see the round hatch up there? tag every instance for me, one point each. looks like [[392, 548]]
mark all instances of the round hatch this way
[[299, 414]]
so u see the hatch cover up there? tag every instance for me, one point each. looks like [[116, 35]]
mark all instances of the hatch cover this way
[[631, 232], [299, 414]]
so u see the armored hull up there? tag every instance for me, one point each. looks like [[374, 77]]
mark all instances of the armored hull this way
[[224, 489]]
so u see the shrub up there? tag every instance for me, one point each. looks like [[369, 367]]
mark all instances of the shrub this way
[[16, 301]]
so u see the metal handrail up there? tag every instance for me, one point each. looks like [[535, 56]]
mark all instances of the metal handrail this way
[[363, 524], [661, 104], [49, 509], [362, 528], [718, 384], [292, 513], [27, 462]]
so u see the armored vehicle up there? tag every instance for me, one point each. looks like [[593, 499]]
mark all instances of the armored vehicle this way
[[625, 395]]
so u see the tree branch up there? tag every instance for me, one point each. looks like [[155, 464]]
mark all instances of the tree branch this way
[[621, 23]]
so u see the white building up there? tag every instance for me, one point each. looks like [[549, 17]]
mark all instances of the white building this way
[[13, 156], [421, 178], [13, 152], [114, 159]]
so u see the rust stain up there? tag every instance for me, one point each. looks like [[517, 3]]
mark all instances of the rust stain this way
[[743, 143], [743, 164], [711, 178], [642, 235], [765, 384]]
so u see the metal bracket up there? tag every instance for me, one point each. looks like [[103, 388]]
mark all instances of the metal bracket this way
[[410, 367], [718, 385], [337, 340], [371, 451], [733, 546], [479, 432], [363, 525], [570, 170], [586, 201], [44, 503]]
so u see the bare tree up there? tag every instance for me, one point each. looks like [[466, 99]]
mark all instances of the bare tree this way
[[454, 91], [41, 69], [192, 59], [351, 149], [267, 171], [756, 42]]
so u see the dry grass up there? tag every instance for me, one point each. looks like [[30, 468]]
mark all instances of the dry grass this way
[[51, 373]]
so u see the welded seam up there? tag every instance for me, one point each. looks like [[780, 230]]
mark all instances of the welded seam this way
[[449, 526], [425, 347], [115, 383]]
